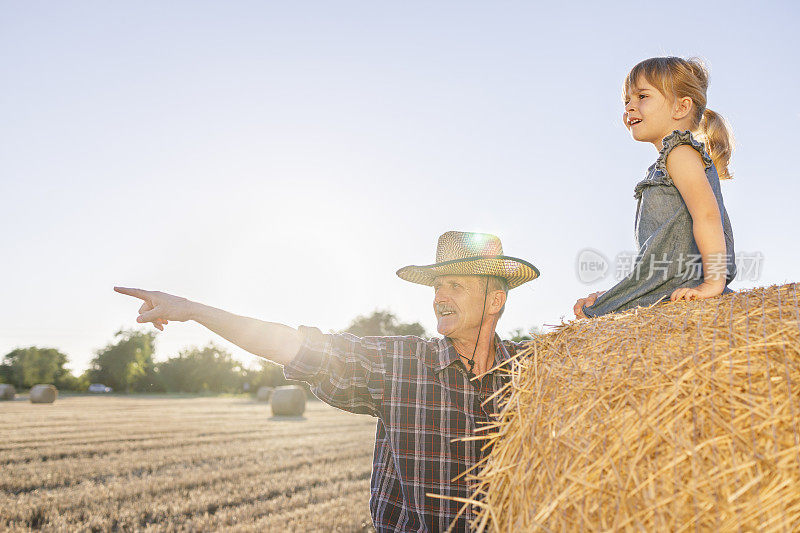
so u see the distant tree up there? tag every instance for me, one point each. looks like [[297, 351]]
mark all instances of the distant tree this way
[[207, 369], [519, 335], [383, 323], [74, 383], [25, 367], [127, 364]]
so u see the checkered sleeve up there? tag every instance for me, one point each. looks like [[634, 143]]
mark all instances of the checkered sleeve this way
[[343, 370]]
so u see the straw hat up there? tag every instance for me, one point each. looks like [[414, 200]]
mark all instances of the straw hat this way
[[471, 254]]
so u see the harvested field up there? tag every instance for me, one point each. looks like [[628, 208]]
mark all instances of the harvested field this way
[[179, 464]]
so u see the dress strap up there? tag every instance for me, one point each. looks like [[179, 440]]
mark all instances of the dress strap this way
[[677, 138]]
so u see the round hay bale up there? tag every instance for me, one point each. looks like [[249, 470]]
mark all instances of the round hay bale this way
[[264, 394], [7, 392], [43, 394], [288, 401], [683, 417]]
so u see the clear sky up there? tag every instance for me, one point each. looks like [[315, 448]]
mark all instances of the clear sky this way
[[283, 159]]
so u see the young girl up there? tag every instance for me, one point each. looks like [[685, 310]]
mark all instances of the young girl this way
[[683, 235]]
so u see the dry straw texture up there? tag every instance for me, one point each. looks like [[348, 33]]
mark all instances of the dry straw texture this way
[[684, 416], [7, 392], [157, 464], [288, 401], [43, 394]]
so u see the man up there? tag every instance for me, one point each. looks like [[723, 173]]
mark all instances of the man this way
[[428, 395]]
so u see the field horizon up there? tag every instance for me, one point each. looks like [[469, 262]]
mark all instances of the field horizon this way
[[165, 462]]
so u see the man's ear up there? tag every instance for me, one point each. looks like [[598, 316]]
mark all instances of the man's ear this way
[[683, 106], [497, 301]]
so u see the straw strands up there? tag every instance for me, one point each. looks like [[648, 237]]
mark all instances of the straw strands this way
[[683, 416], [152, 463]]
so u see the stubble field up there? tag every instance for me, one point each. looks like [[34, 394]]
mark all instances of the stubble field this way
[[182, 464]]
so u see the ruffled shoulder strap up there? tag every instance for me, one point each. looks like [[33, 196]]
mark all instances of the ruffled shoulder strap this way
[[658, 174], [677, 138]]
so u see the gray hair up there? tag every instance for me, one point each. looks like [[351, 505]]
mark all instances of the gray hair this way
[[496, 283]]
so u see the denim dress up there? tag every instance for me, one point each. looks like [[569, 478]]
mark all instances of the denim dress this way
[[667, 255]]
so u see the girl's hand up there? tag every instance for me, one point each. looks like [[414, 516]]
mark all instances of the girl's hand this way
[[701, 292], [589, 300]]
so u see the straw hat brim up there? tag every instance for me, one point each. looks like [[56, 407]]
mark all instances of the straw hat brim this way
[[515, 271]]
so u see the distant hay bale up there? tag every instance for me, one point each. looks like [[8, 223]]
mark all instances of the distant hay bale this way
[[43, 394], [288, 401], [7, 392], [264, 394], [683, 416]]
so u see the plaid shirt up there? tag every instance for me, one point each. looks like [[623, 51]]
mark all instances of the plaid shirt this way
[[420, 393]]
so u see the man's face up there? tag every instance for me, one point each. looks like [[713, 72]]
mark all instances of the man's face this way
[[458, 304]]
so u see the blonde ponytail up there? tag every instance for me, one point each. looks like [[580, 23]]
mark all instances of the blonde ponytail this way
[[716, 134]]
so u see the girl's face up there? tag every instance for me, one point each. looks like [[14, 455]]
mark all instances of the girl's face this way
[[649, 115]]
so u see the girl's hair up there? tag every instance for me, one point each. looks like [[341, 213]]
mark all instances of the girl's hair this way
[[681, 78]]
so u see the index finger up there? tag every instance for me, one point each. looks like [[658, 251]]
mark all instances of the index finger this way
[[136, 293]]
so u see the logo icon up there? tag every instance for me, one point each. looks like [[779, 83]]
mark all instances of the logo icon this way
[[591, 265]]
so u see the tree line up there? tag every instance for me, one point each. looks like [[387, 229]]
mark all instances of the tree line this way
[[126, 364]]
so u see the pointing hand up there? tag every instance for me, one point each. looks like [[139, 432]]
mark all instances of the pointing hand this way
[[159, 307]]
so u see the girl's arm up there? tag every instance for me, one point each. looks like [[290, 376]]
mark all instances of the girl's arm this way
[[686, 169]]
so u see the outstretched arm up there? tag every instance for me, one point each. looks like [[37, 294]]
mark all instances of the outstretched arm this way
[[269, 340]]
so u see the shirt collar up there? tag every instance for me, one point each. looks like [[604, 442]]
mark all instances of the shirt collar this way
[[445, 354]]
